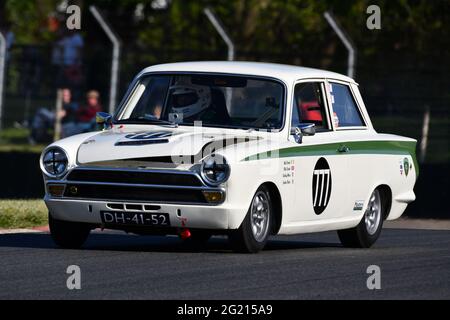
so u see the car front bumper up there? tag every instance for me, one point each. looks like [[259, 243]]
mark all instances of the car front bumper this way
[[181, 215]]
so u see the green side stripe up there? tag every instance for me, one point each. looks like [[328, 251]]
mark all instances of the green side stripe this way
[[356, 147]]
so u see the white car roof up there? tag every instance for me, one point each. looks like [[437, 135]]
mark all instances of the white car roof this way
[[283, 72]]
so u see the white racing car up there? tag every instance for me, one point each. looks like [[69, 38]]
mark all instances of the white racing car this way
[[243, 149]]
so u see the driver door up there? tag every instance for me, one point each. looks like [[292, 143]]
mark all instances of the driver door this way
[[321, 190]]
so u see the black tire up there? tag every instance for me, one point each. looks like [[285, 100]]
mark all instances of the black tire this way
[[69, 235], [243, 239], [359, 237]]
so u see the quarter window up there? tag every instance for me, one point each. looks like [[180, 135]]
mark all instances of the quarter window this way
[[152, 100], [346, 112]]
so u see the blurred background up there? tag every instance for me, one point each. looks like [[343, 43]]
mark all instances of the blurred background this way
[[402, 68]]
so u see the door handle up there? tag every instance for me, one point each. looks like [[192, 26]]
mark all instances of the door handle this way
[[343, 149]]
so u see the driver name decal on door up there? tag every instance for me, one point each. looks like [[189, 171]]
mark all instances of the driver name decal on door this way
[[321, 186]]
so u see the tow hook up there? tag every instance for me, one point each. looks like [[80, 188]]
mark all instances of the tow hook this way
[[184, 234]]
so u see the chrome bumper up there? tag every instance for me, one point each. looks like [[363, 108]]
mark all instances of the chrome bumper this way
[[183, 196], [189, 216]]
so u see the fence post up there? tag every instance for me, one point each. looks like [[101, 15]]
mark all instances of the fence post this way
[[345, 40], [59, 107], [425, 129], [115, 65], [221, 30], [2, 73]]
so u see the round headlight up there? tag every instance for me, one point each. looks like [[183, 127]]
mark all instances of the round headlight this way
[[215, 170], [55, 162]]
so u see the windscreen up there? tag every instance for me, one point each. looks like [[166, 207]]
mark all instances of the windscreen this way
[[222, 101]]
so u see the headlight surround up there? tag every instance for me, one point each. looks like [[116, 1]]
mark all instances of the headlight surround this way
[[54, 162], [215, 170]]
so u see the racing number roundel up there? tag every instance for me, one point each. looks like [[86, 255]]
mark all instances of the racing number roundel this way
[[321, 186]]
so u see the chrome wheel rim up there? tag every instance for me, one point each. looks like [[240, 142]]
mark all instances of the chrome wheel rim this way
[[260, 213], [372, 216]]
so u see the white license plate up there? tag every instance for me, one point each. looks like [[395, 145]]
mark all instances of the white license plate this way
[[135, 218]]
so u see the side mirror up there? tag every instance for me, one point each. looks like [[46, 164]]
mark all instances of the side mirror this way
[[304, 129], [105, 119]]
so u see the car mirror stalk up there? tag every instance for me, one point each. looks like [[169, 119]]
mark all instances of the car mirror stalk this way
[[303, 129]]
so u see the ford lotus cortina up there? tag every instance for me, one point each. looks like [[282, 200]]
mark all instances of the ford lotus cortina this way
[[242, 149]]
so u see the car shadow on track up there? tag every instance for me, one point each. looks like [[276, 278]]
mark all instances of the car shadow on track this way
[[132, 243]]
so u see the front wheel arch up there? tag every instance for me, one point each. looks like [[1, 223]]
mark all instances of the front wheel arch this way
[[277, 206]]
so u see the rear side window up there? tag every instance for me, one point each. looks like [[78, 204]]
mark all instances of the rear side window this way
[[346, 112]]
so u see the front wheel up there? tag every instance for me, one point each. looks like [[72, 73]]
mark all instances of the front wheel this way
[[368, 230], [254, 231], [69, 235]]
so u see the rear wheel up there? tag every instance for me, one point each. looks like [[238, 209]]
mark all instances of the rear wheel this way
[[368, 230], [254, 231], [70, 235]]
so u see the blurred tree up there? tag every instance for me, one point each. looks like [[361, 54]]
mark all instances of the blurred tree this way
[[415, 34], [276, 26], [30, 19], [403, 66]]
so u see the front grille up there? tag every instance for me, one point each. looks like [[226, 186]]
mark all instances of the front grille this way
[[134, 177], [134, 193]]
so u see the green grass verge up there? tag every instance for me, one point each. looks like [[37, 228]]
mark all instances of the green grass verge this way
[[22, 214], [16, 140]]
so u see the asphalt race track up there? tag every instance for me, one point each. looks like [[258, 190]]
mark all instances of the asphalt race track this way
[[414, 264]]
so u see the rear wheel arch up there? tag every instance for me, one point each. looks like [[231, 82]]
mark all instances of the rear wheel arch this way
[[366, 233], [386, 198]]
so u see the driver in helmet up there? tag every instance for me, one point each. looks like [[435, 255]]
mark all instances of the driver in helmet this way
[[190, 101]]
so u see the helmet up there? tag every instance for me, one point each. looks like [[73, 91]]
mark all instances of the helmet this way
[[190, 100]]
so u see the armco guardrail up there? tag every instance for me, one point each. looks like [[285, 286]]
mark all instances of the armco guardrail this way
[[21, 177]]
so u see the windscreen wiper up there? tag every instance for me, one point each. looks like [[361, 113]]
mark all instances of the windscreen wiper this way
[[147, 120]]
